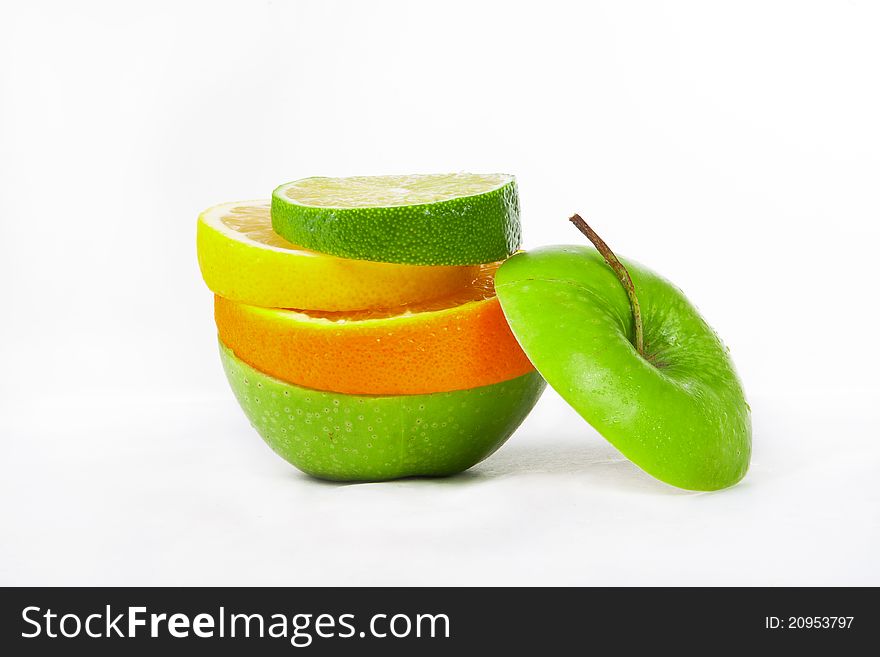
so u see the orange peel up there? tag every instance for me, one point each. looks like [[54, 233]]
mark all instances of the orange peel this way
[[459, 342]]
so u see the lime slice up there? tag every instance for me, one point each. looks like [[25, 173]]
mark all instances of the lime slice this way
[[438, 219], [243, 259]]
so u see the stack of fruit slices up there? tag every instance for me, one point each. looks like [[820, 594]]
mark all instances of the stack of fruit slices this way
[[359, 326]]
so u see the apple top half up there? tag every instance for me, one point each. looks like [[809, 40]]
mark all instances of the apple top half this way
[[678, 412]]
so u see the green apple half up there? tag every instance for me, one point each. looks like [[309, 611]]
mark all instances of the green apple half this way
[[371, 438], [677, 410]]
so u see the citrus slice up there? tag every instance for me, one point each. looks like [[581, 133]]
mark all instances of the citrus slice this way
[[438, 219], [241, 258], [460, 342], [364, 437]]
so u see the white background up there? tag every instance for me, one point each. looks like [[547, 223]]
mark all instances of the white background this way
[[733, 147]]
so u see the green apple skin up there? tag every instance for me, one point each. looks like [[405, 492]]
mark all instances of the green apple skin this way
[[345, 437], [680, 413]]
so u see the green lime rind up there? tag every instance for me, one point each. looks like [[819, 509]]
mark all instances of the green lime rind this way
[[371, 438], [469, 229]]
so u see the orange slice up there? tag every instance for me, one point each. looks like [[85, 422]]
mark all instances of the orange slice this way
[[456, 343]]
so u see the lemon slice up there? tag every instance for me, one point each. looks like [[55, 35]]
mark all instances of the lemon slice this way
[[243, 259], [437, 219]]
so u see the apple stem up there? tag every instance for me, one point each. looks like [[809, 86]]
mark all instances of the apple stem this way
[[622, 275]]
